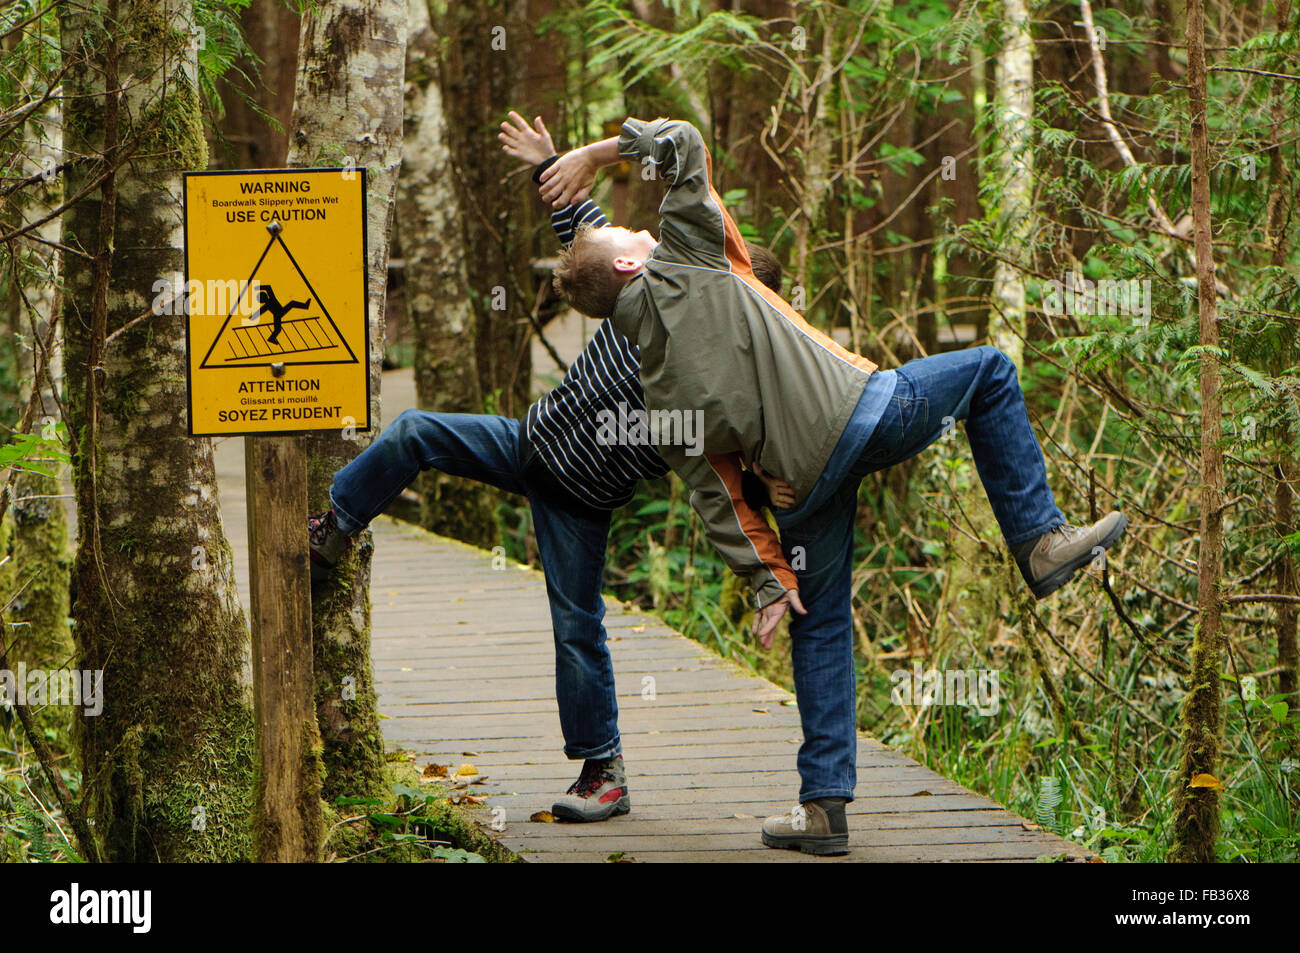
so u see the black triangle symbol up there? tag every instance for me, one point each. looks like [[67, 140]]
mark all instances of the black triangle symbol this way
[[302, 335]]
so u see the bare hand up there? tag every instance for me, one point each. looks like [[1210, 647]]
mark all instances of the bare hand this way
[[780, 493], [570, 178], [530, 145], [766, 618]]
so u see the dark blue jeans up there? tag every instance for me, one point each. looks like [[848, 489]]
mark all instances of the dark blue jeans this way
[[571, 542], [979, 386]]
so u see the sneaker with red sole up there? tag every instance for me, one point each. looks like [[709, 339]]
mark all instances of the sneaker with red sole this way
[[599, 793]]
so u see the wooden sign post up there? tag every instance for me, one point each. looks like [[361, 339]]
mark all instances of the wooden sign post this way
[[275, 269]]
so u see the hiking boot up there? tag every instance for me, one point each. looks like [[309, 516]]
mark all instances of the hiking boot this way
[[600, 792], [1051, 560], [326, 544], [814, 827]]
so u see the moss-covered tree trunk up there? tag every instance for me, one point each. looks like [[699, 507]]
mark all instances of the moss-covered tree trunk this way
[[484, 45], [38, 536], [347, 111], [168, 766], [442, 316], [1196, 795]]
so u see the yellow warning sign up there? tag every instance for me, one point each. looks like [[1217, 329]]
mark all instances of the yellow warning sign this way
[[275, 271]]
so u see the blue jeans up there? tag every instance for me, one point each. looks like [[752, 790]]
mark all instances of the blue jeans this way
[[979, 386], [571, 541]]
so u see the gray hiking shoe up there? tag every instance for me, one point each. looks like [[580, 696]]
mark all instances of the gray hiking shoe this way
[[814, 827], [1051, 560], [326, 544], [599, 793]]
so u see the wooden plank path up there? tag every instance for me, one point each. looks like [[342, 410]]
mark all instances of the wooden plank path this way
[[464, 670]]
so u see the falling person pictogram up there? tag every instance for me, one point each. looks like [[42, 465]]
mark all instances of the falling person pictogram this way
[[268, 302]]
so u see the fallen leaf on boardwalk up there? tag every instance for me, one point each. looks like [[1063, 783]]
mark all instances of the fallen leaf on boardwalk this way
[[542, 817], [761, 711], [466, 770], [467, 798], [747, 817], [1206, 781], [638, 628], [789, 703], [618, 857], [615, 638], [432, 770], [469, 754], [1030, 827], [406, 669], [921, 794]]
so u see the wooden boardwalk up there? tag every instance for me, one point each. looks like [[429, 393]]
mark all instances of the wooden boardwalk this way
[[464, 669]]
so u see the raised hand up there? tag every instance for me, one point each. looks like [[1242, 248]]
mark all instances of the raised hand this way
[[570, 178], [527, 144]]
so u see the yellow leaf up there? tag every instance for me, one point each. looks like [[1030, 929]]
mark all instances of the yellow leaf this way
[[466, 770], [432, 770], [1206, 781], [543, 817]]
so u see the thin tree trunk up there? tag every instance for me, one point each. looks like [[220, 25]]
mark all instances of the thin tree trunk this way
[[482, 45], [441, 314], [1196, 809], [168, 766], [347, 111], [1015, 110], [1287, 471], [41, 560]]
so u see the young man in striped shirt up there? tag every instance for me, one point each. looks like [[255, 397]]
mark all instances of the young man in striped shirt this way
[[563, 460]]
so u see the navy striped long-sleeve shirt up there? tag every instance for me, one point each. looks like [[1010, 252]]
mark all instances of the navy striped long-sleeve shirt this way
[[564, 426]]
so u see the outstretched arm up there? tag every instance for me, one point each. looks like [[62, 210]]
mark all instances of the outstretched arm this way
[[571, 177], [533, 145], [741, 536]]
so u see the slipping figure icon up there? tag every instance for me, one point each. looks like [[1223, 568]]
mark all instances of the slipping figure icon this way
[[270, 303]]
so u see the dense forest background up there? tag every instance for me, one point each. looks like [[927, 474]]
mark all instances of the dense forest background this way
[[1074, 183]]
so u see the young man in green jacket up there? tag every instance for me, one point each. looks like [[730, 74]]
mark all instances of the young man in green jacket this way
[[776, 392]]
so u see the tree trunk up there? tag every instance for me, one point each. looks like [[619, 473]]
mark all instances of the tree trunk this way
[[168, 766], [250, 141], [482, 45], [441, 314], [39, 541], [347, 111], [1288, 466], [1015, 107], [1196, 809]]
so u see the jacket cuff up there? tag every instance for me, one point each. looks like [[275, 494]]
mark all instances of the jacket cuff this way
[[767, 588], [636, 139], [543, 166]]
